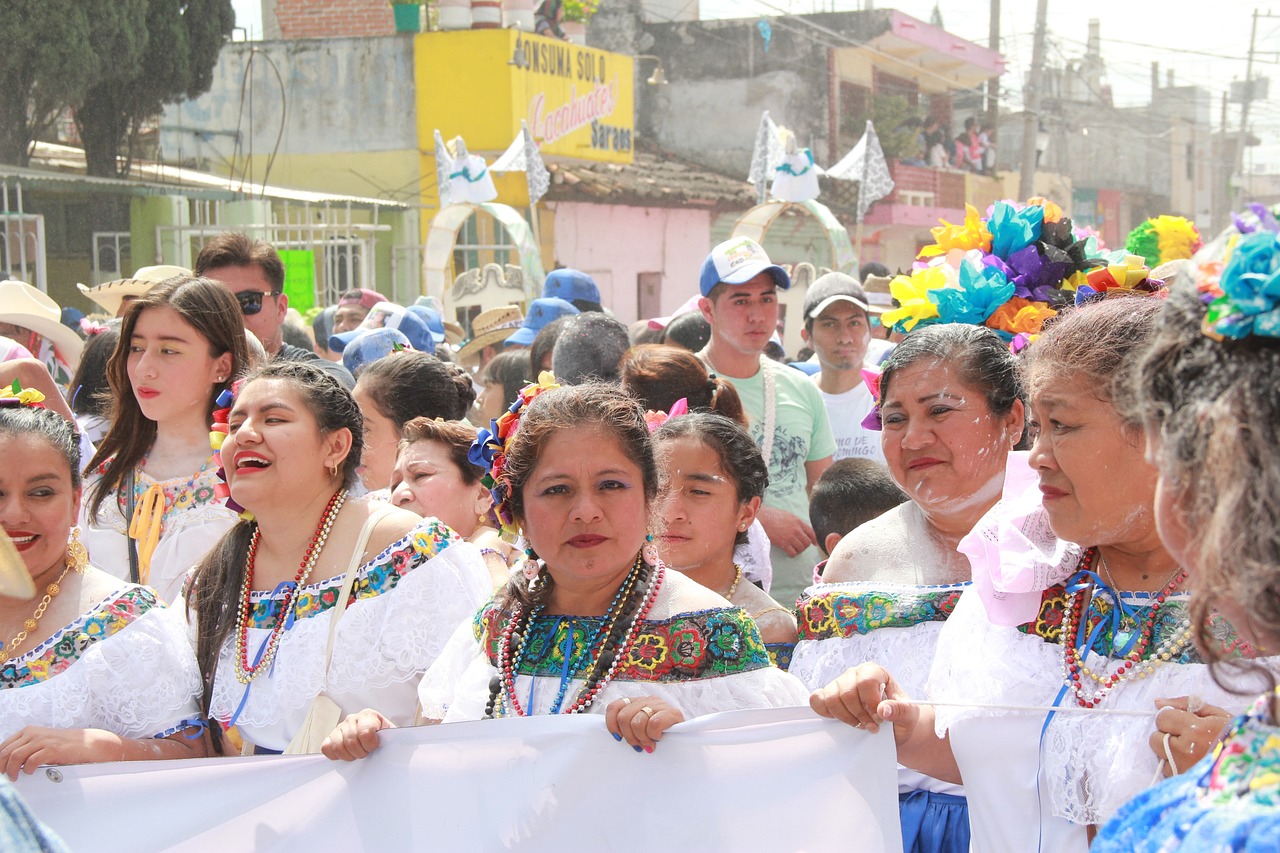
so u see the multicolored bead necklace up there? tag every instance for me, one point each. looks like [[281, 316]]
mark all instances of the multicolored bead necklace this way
[[1132, 665], [246, 672], [636, 596]]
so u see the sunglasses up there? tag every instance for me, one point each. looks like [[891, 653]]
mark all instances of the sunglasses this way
[[251, 300]]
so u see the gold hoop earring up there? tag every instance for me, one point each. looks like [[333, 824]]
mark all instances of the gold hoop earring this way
[[77, 557]]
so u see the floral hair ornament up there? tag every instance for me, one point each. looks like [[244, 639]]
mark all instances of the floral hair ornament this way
[[18, 396], [1245, 299], [871, 378], [653, 419], [91, 327], [217, 435], [489, 451]]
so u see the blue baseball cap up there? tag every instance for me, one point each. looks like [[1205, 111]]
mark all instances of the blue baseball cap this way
[[541, 312], [388, 315], [431, 318], [736, 260], [569, 285], [369, 345]]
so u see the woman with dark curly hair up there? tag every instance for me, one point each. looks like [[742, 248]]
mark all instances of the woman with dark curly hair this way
[[593, 622]]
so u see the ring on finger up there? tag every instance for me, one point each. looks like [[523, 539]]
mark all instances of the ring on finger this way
[[626, 700], [647, 711]]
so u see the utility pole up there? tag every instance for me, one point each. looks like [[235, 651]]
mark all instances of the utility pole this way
[[993, 85], [1031, 105], [1244, 118]]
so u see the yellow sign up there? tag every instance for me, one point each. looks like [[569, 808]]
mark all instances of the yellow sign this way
[[479, 84]]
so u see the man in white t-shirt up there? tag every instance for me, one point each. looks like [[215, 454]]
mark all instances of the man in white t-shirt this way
[[739, 288], [837, 324]]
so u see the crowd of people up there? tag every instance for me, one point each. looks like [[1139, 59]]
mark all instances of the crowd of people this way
[[1030, 524]]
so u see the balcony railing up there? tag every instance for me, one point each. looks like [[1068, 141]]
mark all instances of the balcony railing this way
[[920, 186]]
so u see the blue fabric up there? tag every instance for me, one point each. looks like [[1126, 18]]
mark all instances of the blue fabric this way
[[1171, 816], [20, 832], [933, 822], [262, 750]]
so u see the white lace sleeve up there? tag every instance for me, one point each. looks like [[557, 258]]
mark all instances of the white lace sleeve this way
[[139, 682], [754, 556]]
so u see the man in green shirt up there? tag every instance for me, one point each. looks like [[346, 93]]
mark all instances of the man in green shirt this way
[[739, 288]]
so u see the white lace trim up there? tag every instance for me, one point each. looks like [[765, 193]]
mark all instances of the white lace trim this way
[[388, 639], [1090, 765], [138, 682], [907, 653]]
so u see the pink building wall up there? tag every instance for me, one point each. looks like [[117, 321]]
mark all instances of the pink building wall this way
[[615, 244]]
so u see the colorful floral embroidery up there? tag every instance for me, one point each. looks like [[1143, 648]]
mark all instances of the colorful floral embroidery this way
[[687, 647], [780, 654], [180, 493], [1246, 767], [64, 648], [847, 610], [376, 577], [1172, 620]]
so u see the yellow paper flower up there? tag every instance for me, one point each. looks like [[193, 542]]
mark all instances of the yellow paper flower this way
[[912, 296], [1125, 276], [29, 396], [973, 234]]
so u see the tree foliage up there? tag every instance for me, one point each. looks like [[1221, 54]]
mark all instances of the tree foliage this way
[[115, 63], [182, 39], [896, 123]]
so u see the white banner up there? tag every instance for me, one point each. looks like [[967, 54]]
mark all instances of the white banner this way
[[769, 780]]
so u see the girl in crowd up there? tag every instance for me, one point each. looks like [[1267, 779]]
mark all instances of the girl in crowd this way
[[393, 391], [589, 623], [1049, 623], [716, 479], [90, 392], [502, 378], [1206, 391], [950, 405], [659, 376], [151, 511], [317, 603], [434, 477], [94, 669]]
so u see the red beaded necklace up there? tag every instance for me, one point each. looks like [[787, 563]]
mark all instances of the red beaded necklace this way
[[1074, 658], [246, 671]]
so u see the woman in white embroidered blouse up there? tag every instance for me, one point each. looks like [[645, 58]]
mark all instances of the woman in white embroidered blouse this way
[[1049, 623], [92, 669], [264, 601], [152, 480]]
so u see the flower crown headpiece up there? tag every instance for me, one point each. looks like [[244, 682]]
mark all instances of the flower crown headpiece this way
[[1010, 272], [16, 395], [217, 435], [489, 451], [1239, 280]]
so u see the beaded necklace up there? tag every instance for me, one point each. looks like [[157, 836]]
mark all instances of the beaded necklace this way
[[769, 384], [246, 672], [733, 587], [636, 596], [1132, 665]]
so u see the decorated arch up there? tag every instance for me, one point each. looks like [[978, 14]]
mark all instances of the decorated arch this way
[[442, 237]]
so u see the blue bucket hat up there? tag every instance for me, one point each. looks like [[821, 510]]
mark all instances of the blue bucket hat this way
[[541, 312]]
